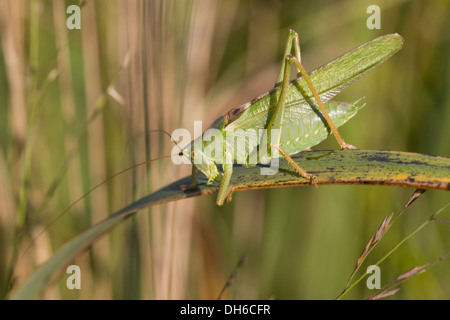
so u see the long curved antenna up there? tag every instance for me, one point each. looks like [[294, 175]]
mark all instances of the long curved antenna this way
[[48, 225], [156, 130]]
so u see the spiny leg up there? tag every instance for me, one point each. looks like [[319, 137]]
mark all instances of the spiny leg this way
[[193, 181], [276, 122], [225, 183], [339, 139], [301, 171], [293, 37]]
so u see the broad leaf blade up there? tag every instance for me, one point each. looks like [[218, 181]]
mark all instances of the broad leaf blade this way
[[330, 167]]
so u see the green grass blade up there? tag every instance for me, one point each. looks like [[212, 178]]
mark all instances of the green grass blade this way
[[330, 167], [400, 243]]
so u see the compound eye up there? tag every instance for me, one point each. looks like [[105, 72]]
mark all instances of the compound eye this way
[[193, 154]]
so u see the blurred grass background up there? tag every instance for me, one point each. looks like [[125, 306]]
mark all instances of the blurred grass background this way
[[76, 107]]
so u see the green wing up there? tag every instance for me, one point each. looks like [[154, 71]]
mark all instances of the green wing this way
[[303, 127], [328, 80]]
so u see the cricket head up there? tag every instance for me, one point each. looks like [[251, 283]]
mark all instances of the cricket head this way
[[204, 163]]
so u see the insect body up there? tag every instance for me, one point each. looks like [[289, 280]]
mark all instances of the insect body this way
[[290, 118]]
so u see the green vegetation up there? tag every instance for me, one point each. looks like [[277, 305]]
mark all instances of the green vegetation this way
[[76, 106]]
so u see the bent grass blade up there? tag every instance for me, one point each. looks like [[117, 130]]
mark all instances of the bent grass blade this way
[[331, 167]]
